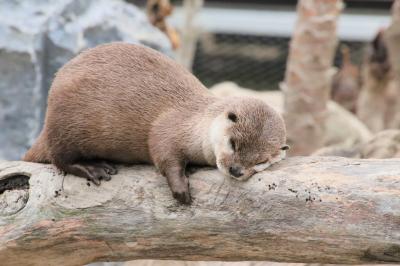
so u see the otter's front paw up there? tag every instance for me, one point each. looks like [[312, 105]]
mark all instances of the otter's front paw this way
[[183, 197], [181, 192]]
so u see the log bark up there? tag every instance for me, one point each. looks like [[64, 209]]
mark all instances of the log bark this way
[[305, 209], [309, 73]]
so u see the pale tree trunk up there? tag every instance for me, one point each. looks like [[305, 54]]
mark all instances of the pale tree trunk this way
[[373, 100], [378, 99], [310, 209], [189, 33], [309, 73], [392, 36], [379, 102]]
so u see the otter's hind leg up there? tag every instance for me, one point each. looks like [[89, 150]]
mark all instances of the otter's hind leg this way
[[91, 171], [94, 170], [109, 167]]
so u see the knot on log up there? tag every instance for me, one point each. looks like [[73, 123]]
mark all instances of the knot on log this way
[[14, 193]]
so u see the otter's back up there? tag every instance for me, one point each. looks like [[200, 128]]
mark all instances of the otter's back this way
[[106, 98]]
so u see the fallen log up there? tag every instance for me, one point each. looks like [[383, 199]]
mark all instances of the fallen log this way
[[305, 209]]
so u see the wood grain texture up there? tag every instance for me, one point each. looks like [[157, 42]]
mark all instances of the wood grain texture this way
[[305, 209]]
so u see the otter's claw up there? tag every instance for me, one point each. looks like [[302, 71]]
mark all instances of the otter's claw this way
[[183, 197], [96, 174], [110, 168], [180, 191]]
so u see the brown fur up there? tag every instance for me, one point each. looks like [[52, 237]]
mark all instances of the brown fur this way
[[249, 134], [127, 103]]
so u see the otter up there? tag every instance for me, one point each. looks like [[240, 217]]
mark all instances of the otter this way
[[126, 103]]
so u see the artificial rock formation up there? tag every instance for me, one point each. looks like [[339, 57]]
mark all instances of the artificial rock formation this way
[[37, 37]]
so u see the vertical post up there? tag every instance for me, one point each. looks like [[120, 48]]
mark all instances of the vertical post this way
[[373, 106], [392, 36], [189, 33], [309, 73]]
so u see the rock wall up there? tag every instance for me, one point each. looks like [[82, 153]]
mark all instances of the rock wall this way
[[37, 37]]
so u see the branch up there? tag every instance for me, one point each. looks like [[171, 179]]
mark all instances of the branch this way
[[305, 209]]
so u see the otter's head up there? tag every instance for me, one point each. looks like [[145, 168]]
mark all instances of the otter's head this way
[[247, 137]]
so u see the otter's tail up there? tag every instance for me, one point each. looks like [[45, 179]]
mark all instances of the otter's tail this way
[[38, 153]]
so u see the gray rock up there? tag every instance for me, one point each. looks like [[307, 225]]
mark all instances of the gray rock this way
[[87, 23], [37, 37], [21, 74]]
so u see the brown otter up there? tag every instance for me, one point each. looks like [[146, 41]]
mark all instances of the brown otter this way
[[126, 103]]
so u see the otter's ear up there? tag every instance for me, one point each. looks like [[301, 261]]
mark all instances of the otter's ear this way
[[285, 147], [232, 117]]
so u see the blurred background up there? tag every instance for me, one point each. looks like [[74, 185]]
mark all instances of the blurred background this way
[[245, 42]]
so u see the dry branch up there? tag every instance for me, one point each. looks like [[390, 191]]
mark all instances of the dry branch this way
[[311, 209]]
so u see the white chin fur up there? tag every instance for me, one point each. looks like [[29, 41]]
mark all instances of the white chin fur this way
[[218, 137], [222, 169], [219, 140], [283, 155]]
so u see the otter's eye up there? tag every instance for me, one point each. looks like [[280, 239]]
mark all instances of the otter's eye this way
[[232, 117], [285, 147], [233, 144]]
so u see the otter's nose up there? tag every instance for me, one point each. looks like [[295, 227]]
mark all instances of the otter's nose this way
[[235, 171]]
